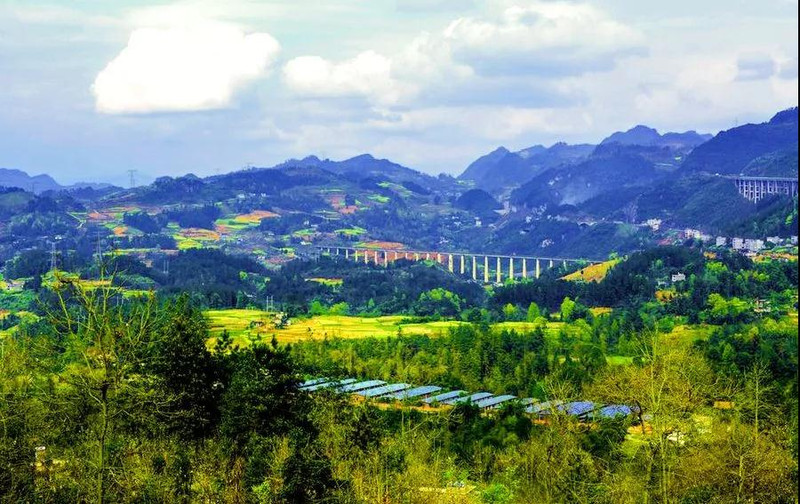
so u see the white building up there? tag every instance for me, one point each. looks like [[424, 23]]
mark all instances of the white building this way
[[753, 245], [721, 241], [654, 224], [737, 244], [678, 277]]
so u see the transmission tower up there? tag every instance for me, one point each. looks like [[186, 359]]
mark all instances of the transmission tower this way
[[53, 257], [99, 252], [132, 175]]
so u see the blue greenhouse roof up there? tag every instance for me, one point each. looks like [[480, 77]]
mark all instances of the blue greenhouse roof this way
[[414, 392], [386, 389], [444, 396]]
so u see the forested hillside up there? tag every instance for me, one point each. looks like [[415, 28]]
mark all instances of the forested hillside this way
[[127, 401]]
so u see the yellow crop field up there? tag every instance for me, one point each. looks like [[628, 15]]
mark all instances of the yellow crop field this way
[[330, 282], [255, 216], [592, 273], [251, 326]]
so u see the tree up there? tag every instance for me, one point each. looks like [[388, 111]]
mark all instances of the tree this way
[[188, 371], [533, 312], [510, 312], [667, 385], [567, 309], [111, 342]]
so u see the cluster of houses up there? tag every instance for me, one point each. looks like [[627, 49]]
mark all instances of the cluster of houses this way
[[743, 245]]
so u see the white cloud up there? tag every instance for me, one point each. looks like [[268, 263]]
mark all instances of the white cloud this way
[[368, 75], [556, 37], [458, 62], [189, 66]]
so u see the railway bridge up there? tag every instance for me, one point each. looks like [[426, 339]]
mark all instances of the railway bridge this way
[[486, 267]]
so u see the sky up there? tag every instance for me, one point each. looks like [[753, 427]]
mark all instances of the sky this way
[[90, 89]]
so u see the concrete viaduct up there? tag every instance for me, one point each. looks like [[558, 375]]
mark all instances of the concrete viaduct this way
[[756, 188], [479, 266]]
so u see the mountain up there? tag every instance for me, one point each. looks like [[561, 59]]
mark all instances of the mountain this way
[[781, 163], [731, 151], [477, 201], [498, 169], [484, 165], [502, 168], [571, 185], [364, 166], [645, 136], [18, 178], [41, 183]]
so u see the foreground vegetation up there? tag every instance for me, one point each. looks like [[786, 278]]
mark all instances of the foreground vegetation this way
[[156, 398]]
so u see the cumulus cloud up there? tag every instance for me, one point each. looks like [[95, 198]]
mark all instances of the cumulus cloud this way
[[556, 37], [369, 74], [183, 67], [456, 63]]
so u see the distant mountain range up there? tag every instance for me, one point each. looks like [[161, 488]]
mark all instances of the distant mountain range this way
[[40, 183], [548, 193], [644, 136], [362, 167], [620, 181], [501, 168]]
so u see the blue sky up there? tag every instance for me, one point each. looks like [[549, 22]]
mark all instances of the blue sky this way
[[91, 89]]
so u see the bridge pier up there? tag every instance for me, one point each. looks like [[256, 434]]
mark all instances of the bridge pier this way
[[511, 268], [385, 259], [538, 269], [450, 262], [524, 268], [499, 271], [463, 268], [486, 269], [474, 268], [347, 253], [551, 264]]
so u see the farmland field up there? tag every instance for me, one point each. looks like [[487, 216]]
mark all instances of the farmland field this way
[[250, 326], [592, 273]]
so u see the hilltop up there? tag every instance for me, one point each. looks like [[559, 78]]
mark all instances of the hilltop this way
[[41, 183]]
